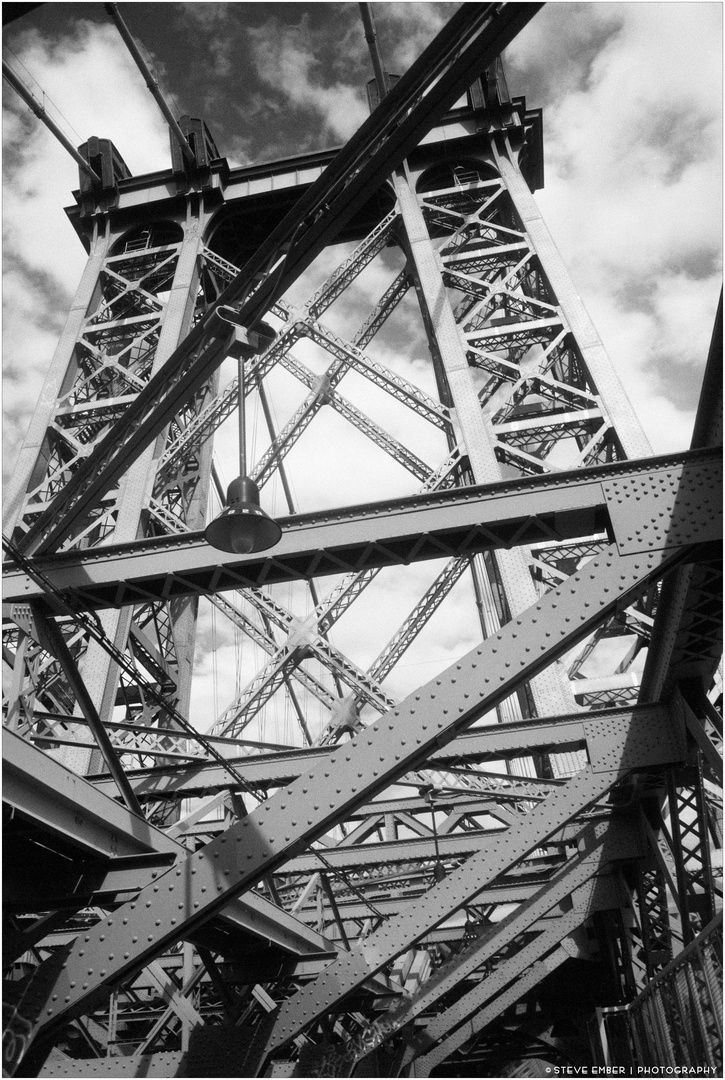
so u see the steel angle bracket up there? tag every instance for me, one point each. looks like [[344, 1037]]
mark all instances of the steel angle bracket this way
[[614, 745], [199, 886]]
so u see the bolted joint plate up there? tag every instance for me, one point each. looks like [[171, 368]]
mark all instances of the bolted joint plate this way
[[666, 509], [303, 634], [617, 745]]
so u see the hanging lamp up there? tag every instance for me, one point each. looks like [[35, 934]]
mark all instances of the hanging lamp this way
[[429, 793], [243, 527]]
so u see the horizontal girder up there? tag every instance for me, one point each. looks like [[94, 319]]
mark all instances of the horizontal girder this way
[[497, 742], [444, 523]]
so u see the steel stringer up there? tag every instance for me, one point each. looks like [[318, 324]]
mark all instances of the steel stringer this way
[[193, 891]]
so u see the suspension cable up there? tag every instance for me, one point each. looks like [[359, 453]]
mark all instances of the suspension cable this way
[[32, 102], [151, 83]]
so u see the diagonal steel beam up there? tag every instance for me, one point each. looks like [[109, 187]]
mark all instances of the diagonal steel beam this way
[[594, 895], [503, 850], [519, 975]]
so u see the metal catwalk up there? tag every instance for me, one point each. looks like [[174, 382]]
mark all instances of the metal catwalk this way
[[345, 869]]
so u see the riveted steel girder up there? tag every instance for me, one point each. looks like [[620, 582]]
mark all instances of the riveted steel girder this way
[[594, 894], [525, 982], [625, 497], [480, 745], [618, 839], [611, 756], [527, 967], [163, 1064]]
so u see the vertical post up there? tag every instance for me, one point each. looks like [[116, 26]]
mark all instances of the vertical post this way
[[242, 418], [27, 471]]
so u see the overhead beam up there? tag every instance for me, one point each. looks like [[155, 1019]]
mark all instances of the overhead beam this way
[[497, 741], [435, 525]]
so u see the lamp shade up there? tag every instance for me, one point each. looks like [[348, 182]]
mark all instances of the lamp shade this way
[[243, 527]]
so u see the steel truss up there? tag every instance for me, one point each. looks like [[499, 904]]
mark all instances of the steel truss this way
[[338, 873]]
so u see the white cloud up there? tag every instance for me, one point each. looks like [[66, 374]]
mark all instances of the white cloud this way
[[405, 30], [286, 61]]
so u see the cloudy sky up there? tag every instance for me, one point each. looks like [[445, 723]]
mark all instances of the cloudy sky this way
[[632, 128]]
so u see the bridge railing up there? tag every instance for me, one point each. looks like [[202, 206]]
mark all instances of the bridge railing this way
[[677, 1019]]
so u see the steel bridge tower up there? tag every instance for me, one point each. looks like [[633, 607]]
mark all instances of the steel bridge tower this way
[[345, 871]]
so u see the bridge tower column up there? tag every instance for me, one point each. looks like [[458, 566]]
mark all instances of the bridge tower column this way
[[144, 285]]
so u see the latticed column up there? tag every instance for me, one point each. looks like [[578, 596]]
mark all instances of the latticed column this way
[[143, 287], [517, 359], [688, 835], [656, 933]]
